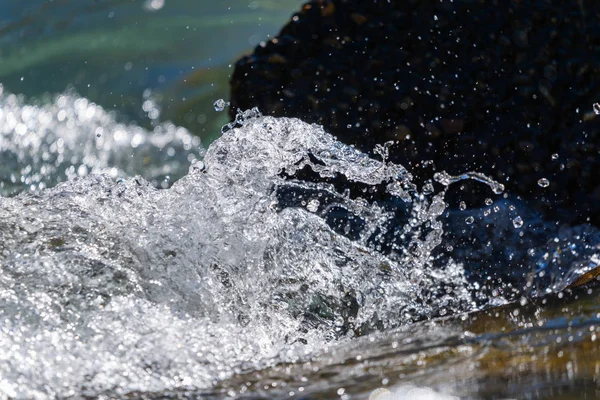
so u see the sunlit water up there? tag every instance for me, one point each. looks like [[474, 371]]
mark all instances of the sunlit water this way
[[152, 60], [136, 261], [281, 263]]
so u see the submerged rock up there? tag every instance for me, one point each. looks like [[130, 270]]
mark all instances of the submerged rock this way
[[506, 89]]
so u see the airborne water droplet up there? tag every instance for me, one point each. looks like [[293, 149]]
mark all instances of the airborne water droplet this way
[[497, 188], [518, 222], [428, 188], [220, 105], [313, 205], [469, 220], [443, 178], [597, 108], [543, 182], [488, 202], [555, 156], [462, 206]]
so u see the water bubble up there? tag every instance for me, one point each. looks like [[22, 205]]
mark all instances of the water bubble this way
[[596, 107], [543, 182], [488, 202], [220, 105], [462, 206], [555, 156], [518, 222], [469, 220]]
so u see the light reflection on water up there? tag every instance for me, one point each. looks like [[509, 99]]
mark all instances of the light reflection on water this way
[[545, 349], [178, 54]]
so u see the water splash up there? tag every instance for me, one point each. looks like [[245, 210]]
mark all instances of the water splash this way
[[98, 274], [41, 145], [279, 242], [220, 105], [446, 179], [241, 117]]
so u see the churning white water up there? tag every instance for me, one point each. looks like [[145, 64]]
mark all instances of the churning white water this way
[[278, 242], [41, 145]]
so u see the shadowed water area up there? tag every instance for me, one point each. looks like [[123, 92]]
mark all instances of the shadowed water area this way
[[147, 253]]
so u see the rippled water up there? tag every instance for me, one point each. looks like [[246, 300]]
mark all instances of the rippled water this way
[[275, 262]]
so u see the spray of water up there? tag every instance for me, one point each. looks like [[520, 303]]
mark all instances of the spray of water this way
[[280, 241]]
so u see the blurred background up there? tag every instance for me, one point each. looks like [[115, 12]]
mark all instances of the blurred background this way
[[150, 60]]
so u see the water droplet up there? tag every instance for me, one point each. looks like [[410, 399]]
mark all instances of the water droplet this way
[[462, 206], [154, 5], [220, 105], [469, 220], [517, 222], [543, 182], [442, 177], [555, 156], [489, 202], [428, 188], [437, 207], [197, 165], [313, 205], [597, 108], [497, 188]]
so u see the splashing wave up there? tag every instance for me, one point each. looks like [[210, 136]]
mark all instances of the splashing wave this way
[[279, 242], [41, 145]]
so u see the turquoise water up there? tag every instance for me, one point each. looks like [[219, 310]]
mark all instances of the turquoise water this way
[[109, 287], [179, 52]]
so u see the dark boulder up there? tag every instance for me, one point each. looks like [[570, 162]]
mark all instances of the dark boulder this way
[[502, 87]]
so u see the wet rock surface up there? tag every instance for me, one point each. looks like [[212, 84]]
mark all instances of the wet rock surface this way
[[503, 88]]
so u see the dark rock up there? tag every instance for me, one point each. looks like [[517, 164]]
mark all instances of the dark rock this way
[[498, 87]]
